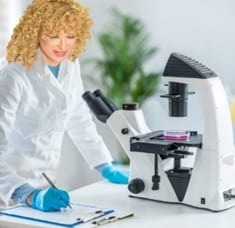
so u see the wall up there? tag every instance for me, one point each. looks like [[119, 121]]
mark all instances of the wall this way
[[201, 29], [8, 17]]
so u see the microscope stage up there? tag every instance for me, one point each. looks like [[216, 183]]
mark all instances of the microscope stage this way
[[154, 142]]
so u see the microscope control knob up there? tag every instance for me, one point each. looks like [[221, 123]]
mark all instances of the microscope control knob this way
[[136, 186]]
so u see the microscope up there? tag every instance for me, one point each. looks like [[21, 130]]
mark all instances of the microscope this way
[[156, 170]]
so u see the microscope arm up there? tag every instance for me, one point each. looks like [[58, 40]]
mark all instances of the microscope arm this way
[[123, 130]]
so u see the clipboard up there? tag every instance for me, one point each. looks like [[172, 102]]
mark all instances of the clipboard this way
[[66, 217]]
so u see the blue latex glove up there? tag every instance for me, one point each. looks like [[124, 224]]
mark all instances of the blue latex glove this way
[[50, 199], [113, 175]]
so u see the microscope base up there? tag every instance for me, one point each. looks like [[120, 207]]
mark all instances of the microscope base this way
[[180, 203]]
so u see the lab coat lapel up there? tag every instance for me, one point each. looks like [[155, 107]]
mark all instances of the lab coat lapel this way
[[50, 82]]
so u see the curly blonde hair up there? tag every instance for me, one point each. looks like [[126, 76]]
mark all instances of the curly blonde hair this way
[[48, 16]]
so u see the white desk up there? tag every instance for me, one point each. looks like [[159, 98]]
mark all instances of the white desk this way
[[148, 214]]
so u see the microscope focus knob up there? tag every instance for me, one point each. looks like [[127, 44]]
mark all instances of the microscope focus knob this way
[[136, 186]]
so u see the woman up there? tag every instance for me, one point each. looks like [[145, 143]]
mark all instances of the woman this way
[[40, 99]]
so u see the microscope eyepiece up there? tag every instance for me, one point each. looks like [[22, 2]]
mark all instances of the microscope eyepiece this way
[[107, 101], [97, 105]]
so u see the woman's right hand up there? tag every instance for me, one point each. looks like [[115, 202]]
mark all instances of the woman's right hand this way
[[50, 199]]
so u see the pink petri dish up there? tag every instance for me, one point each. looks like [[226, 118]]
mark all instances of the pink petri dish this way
[[176, 135]]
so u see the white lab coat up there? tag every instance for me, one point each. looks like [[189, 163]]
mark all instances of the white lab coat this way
[[35, 111]]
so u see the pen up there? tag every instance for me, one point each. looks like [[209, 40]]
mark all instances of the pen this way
[[95, 216], [111, 219], [52, 184]]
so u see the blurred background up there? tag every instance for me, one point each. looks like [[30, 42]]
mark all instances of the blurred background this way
[[201, 29]]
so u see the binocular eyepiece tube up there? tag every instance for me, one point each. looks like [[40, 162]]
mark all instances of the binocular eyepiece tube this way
[[99, 105]]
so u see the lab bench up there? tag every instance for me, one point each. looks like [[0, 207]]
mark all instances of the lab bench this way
[[147, 213]]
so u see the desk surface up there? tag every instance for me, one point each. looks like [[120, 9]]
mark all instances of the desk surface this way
[[147, 213]]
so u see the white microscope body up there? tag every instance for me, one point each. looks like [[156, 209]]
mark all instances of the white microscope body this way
[[210, 183]]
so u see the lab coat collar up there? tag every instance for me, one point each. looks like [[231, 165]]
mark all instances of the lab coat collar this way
[[49, 80], [43, 70]]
